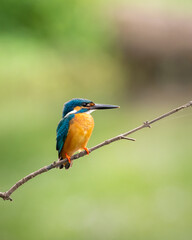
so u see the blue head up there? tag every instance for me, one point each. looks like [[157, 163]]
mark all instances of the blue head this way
[[79, 105]]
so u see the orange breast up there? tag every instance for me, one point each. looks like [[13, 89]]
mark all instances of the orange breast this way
[[80, 129]]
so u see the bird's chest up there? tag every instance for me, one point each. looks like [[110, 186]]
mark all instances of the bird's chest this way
[[82, 123], [80, 129]]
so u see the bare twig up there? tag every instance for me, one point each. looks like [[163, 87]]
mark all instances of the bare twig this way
[[6, 195], [126, 138]]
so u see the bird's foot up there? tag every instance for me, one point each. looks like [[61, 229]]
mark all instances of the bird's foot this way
[[69, 163], [68, 158], [87, 150]]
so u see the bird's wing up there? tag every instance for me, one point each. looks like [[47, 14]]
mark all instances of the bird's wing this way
[[62, 131]]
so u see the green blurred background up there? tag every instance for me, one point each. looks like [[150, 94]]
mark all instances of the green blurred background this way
[[52, 51]]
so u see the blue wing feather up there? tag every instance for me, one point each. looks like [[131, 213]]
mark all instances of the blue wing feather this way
[[62, 131]]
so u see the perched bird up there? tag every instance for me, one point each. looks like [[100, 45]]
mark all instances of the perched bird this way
[[75, 127]]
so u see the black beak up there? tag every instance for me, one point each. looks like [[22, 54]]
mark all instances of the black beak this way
[[103, 106]]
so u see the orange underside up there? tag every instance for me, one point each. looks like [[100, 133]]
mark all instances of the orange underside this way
[[80, 129]]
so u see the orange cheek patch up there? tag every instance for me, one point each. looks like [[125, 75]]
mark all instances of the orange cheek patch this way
[[77, 108]]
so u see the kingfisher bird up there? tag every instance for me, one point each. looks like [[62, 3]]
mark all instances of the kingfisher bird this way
[[75, 127]]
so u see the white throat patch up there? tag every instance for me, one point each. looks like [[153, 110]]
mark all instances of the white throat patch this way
[[69, 113], [74, 111], [90, 111]]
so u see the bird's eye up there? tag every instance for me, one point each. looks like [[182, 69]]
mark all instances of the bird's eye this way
[[84, 104]]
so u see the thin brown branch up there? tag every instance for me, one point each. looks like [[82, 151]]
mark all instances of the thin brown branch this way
[[6, 195], [126, 138]]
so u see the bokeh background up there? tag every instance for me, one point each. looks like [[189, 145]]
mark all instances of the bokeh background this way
[[131, 53]]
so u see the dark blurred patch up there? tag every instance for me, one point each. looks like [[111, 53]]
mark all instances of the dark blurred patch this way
[[156, 47]]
